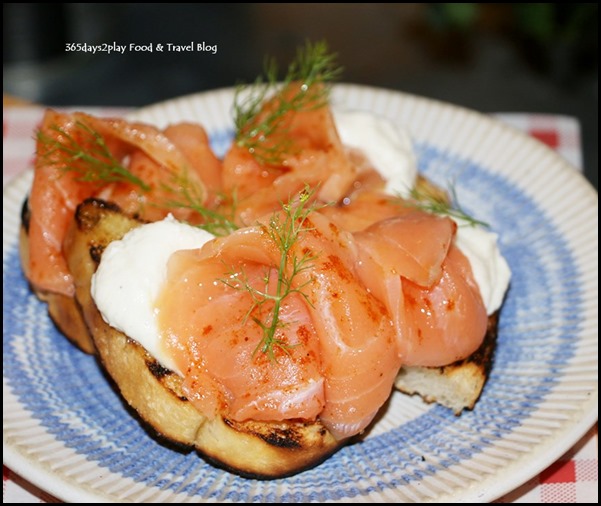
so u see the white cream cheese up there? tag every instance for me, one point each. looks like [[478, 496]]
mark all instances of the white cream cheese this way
[[130, 276], [390, 152], [388, 148], [489, 267]]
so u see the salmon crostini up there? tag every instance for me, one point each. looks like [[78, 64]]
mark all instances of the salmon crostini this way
[[278, 334]]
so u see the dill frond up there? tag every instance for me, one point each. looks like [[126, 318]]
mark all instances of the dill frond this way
[[89, 157], [86, 154], [190, 196], [284, 229], [432, 201], [262, 130]]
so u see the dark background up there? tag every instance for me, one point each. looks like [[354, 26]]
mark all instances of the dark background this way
[[489, 57]]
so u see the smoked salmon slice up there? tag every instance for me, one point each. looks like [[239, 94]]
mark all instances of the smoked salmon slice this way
[[411, 264], [66, 143], [306, 150], [206, 316], [54, 195], [192, 140], [342, 358], [413, 246], [363, 209], [357, 339], [446, 322]]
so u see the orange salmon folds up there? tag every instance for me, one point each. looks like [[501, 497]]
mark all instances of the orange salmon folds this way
[[383, 284], [158, 167], [208, 330]]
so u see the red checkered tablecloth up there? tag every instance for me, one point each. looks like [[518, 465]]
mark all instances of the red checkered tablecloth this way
[[572, 479]]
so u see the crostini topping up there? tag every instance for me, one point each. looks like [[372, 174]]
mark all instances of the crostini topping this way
[[283, 229], [298, 274], [262, 109], [128, 280]]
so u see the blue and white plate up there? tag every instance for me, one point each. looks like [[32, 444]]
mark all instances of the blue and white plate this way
[[67, 430]]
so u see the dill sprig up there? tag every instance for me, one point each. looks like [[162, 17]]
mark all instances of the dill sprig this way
[[88, 156], [432, 200], [262, 130], [284, 229], [190, 196]]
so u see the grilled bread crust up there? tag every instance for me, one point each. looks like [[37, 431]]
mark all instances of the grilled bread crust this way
[[254, 449]]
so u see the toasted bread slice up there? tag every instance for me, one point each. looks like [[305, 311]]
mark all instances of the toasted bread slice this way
[[256, 449], [457, 386]]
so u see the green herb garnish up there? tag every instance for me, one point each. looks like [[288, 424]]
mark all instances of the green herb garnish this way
[[432, 200], [262, 131], [89, 157], [190, 196], [284, 229]]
